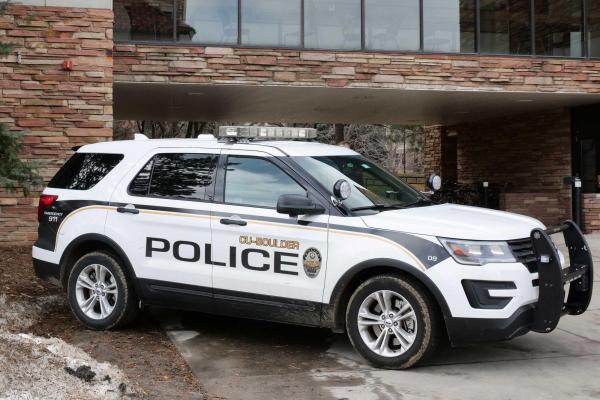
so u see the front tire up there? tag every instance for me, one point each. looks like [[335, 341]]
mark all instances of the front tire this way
[[392, 322], [99, 292]]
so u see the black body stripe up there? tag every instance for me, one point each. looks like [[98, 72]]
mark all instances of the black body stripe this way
[[426, 251]]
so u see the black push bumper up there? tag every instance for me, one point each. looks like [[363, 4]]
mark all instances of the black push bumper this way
[[551, 303], [544, 315]]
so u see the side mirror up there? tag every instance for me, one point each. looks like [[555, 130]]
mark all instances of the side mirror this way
[[342, 189], [434, 183], [294, 205]]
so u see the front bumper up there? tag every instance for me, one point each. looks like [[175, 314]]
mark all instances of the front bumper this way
[[543, 315]]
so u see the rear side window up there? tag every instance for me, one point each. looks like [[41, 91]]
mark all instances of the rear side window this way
[[176, 176], [84, 170]]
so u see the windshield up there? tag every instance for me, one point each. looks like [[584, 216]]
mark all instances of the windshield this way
[[372, 187]]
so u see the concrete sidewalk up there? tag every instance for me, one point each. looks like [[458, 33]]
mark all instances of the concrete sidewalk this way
[[241, 359]]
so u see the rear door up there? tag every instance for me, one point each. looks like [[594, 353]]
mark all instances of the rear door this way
[[269, 262], [163, 221]]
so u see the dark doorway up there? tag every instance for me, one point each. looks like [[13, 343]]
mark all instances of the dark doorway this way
[[586, 147]]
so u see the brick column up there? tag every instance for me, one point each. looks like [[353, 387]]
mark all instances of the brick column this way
[[56, 109], [432, 150]]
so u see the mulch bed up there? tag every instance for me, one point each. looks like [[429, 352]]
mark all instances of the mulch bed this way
[[142, 351]]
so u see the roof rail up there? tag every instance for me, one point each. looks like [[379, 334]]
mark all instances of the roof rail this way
[[140, 136]]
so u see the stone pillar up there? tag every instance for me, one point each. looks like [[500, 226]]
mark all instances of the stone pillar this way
[[432, 150], [55, 108]]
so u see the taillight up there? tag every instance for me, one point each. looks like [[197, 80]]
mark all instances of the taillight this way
[[46, 200]]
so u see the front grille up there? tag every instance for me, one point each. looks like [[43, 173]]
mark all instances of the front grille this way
[[522, 249]]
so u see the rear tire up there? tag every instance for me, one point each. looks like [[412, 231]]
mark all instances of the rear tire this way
[[392, 322], [99, 292]]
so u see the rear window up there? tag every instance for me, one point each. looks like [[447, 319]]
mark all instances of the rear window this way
[[176, 176], [84, 170]]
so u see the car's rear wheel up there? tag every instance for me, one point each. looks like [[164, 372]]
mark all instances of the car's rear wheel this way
[[99, 292], [392, 322]]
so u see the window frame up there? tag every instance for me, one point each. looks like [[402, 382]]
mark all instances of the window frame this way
[[222, 179], [210, 190], [364, 49]]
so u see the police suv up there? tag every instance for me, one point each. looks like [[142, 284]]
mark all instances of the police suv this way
[[299, 232]]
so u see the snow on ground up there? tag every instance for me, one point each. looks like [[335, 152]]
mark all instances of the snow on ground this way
[[32, 367]]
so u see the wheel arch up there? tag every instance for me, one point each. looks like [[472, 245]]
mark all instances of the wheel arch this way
[[334, 312], [93, 242]]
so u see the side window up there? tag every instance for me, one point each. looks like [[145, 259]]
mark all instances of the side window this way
[[257, 182], [176, 176], [84, 170]]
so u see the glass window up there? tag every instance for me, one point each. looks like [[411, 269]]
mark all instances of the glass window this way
[[257, 182], [143, 20], [84, 170], [505, 26], [332, 24], [176, 176], [207, 21], [371, 185], [593, 23], [271, 22], [449, 25], [558, 28], [392, 24]]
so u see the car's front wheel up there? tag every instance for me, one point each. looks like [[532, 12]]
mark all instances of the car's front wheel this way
[[99, 292], [392, 322]]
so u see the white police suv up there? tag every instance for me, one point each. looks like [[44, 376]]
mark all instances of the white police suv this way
[[297, 232]]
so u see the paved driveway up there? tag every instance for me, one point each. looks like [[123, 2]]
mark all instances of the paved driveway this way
[[240, 359]]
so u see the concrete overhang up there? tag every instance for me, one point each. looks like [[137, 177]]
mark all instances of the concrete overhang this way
[[236, 103]]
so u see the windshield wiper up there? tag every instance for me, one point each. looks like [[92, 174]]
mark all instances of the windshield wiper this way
[[378, 207], [420, 202]]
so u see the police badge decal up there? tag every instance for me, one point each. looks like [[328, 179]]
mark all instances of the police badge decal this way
[[312, 262]]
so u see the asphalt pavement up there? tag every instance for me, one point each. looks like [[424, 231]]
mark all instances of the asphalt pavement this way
[[243, 359]]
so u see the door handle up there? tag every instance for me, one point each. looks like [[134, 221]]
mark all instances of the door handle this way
[[233, 221], [130, 209]]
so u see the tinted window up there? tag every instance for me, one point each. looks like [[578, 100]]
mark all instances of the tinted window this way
[[449, 25], [271, 22], [257, 182], [505, 27], [207, 21], [593, 34], [558, 28], [144, 20], [332, 24], [176, 176], [84, 170], [392, 24]]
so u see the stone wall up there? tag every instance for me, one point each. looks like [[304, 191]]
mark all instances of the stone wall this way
[[591, 212], [223, 65], [527, 156], [55, 109]]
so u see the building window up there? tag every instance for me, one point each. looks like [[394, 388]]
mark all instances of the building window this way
[[332, 24], [392, 24], [207, 21], [271, 23], [593, 31], [139, 20], [449, 25], [505, 26], [558, 28]]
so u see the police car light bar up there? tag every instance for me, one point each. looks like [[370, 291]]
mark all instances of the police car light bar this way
[[266, 132]]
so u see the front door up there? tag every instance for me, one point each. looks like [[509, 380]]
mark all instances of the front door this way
[[261, 257]]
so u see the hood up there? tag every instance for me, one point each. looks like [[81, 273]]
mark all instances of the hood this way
[[457, 222]]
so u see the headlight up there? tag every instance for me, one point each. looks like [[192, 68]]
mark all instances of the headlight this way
[[478, 253]]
